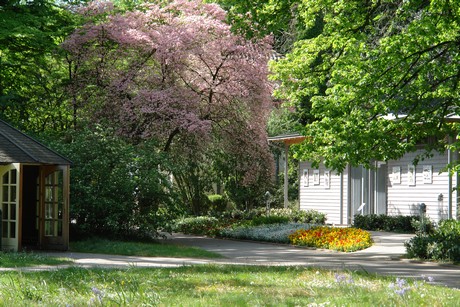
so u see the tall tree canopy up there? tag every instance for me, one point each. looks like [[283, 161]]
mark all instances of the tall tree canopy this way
[[175, 73], [380, 77], [279, 18], [32, 68]]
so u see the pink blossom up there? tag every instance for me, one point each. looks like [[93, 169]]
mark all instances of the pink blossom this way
[[176, 72]]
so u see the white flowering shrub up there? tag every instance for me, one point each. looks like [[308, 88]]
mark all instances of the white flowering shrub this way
[[277, 233]]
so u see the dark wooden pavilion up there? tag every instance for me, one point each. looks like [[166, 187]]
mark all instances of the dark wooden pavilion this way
[[34, 193]]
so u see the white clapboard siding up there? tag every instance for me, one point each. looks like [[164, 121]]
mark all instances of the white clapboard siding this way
[[404, 199], [320, 198]]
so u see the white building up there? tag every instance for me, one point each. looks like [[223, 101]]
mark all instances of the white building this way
[[396, 187]]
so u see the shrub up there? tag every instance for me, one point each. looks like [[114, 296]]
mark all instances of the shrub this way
[[447, 238], [300, 216], [340, 239], [199, 225], [233, 214], [277, 233], [441, 244], [308, 216], [417, 247], [217, 204], [294, 216], [383, 222], [117, 189]]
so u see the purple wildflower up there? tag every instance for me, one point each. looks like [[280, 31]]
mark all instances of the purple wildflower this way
[[98, 293], [400, 287], [401, 282], [339, 278], [343, 278], [401, 291]]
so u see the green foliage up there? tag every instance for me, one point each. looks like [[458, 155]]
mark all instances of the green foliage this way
[[442, 244], [383, 222], [117, 189], [282, 121], [417, 247], [278, 18], [300, 216], [369, 61], [199, 225], [217, 204], [290, 215], [33, 68]]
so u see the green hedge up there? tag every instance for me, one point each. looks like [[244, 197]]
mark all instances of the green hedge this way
[[199, 225], [383, 222], [290, 215]]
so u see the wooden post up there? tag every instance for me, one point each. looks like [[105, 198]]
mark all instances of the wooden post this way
[[286, 179]]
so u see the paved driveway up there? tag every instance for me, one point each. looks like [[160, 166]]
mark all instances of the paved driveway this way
[[382, 258]]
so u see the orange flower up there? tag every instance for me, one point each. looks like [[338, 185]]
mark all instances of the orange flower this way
[[341, 239]]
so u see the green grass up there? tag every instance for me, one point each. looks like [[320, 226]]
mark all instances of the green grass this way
[[151, 249], [212, 285], [13, 260]]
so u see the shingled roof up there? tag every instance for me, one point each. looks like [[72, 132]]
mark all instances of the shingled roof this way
[[17, 147]]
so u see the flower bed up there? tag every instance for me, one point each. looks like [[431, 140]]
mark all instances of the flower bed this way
[[277, 233], [340, 239]]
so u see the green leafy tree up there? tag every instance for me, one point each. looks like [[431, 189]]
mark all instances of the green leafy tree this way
[[279, 18], [33, 69], [378, 79], [117, 189]]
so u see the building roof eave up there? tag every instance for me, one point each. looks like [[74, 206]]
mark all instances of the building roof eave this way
[[287, 139]]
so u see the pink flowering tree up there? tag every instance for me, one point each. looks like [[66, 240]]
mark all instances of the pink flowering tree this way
[[176, 74]]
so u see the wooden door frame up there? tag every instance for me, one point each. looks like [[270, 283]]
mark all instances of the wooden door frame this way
[[45, 242], [17, 240]]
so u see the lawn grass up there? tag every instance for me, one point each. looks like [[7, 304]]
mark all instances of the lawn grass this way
[[144, 249], [212, 285], [16, 260]]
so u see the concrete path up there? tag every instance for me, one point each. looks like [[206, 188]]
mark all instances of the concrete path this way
[[382, 258]]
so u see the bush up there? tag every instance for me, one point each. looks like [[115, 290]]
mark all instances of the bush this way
[[383, 222], [340, 239], [417, 247], [217, 204], [117, 188], [441, 244], [201, 225], [301, 216], [289, 215]]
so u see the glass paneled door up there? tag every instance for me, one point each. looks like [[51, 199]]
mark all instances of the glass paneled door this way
[[9, 196], [52, 207]]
